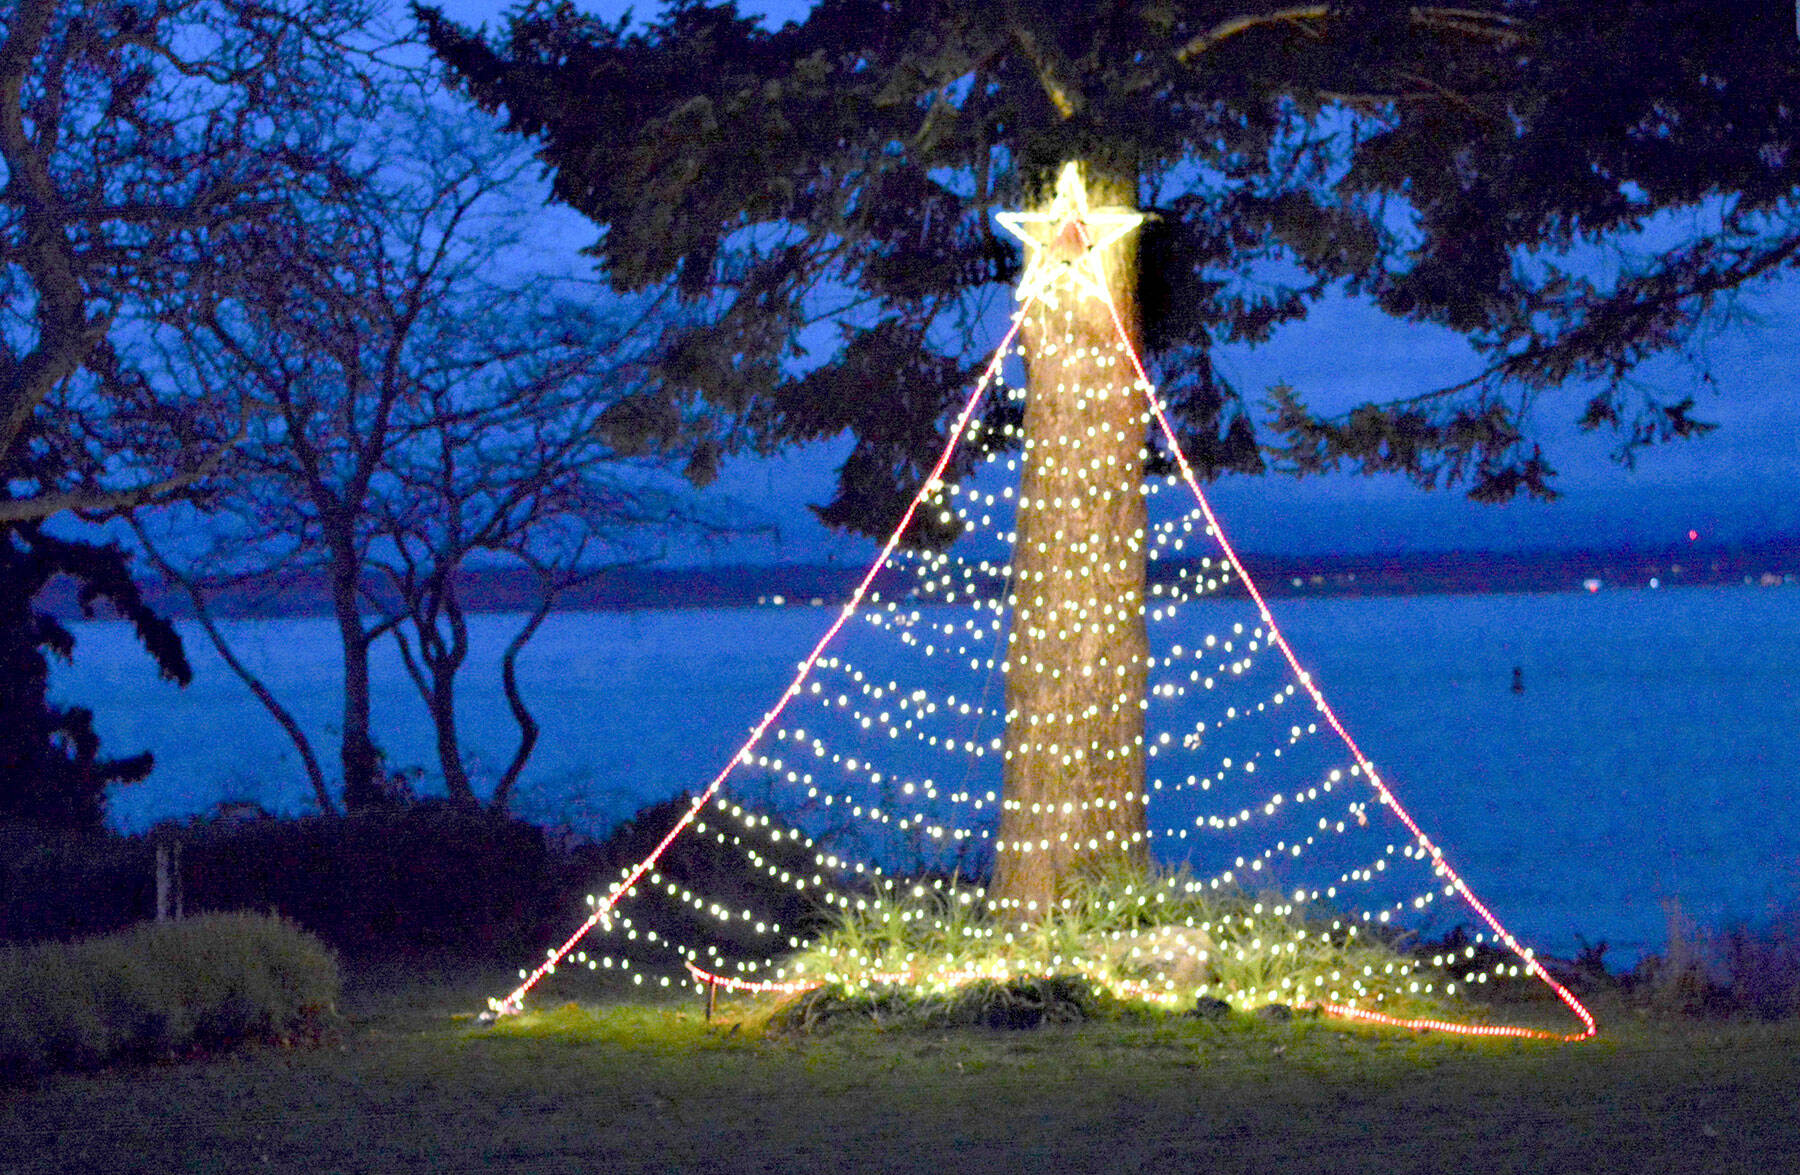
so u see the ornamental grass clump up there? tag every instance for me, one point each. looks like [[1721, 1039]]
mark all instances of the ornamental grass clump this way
[[1760, 967], [1156, 941], [1746, 970], [159, 989], [982, 1003]]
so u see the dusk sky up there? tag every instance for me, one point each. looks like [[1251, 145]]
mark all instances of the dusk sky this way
[[1735, 484]]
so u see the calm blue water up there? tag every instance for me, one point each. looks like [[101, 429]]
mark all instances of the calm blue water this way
[[1651, 756]]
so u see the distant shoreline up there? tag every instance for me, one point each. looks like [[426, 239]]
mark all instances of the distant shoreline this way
[[1771, 562]]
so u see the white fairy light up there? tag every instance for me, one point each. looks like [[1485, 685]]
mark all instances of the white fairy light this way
[[1228, 761]]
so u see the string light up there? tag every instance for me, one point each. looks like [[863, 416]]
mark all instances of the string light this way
[[956, 616]]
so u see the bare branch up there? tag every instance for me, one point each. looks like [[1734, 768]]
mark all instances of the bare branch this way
[[107, 503], [203, 613]]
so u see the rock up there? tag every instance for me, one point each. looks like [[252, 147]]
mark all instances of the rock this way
[[1159, 954], [1210, 1008], [1274, 1013]]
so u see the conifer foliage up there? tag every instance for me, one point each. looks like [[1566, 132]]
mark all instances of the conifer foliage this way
[[51, 769], [1480, 167], [1475, 167]]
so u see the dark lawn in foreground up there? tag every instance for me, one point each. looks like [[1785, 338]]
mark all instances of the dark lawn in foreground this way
[[620, 1087]]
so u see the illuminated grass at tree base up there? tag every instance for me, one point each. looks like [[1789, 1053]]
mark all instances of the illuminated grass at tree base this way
[[1161, 941], [1302, 866]]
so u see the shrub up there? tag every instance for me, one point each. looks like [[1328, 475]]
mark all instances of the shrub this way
[[719, 858], [1743, 970], [1760, 966], [60, 884], [1157, 940], [1020, 1003], [213, 982], [432, 876]]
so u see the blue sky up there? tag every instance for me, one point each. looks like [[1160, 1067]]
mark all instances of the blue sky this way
[[1735, 484]]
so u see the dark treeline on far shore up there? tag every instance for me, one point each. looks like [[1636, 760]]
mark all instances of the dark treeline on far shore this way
[[1766, 562]]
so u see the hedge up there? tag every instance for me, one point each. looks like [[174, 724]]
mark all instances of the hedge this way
[[161, 988]]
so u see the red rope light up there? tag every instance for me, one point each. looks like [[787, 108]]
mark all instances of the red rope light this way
[[515, 1001], [1340, 1011], [701, 975], [1382, 791], [1347, 1012]]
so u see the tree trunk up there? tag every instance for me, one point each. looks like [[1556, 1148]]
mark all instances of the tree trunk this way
[[433, 671], [509, 681], [362, 765], [445, 659], [443, 720], [309, 762], [1077, 652]]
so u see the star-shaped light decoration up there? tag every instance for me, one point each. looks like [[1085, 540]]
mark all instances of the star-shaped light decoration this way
[[1064, 245]]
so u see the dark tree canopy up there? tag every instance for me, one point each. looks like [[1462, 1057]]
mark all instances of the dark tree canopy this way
[[133, 135], [1468, 166], [51, 770]]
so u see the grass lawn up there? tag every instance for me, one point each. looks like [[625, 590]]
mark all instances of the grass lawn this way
[[616, 1086]]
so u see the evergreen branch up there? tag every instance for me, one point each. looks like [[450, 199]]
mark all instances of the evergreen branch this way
[[1227, 29], [1469, 21], [1046, 74]]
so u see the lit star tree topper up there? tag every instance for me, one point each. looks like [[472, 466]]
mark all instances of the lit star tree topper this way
[[1066, 243]]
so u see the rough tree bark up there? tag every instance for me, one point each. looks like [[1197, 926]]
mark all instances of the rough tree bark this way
[[1077, 652], [509, 681], [433, 668], [361, 761]]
